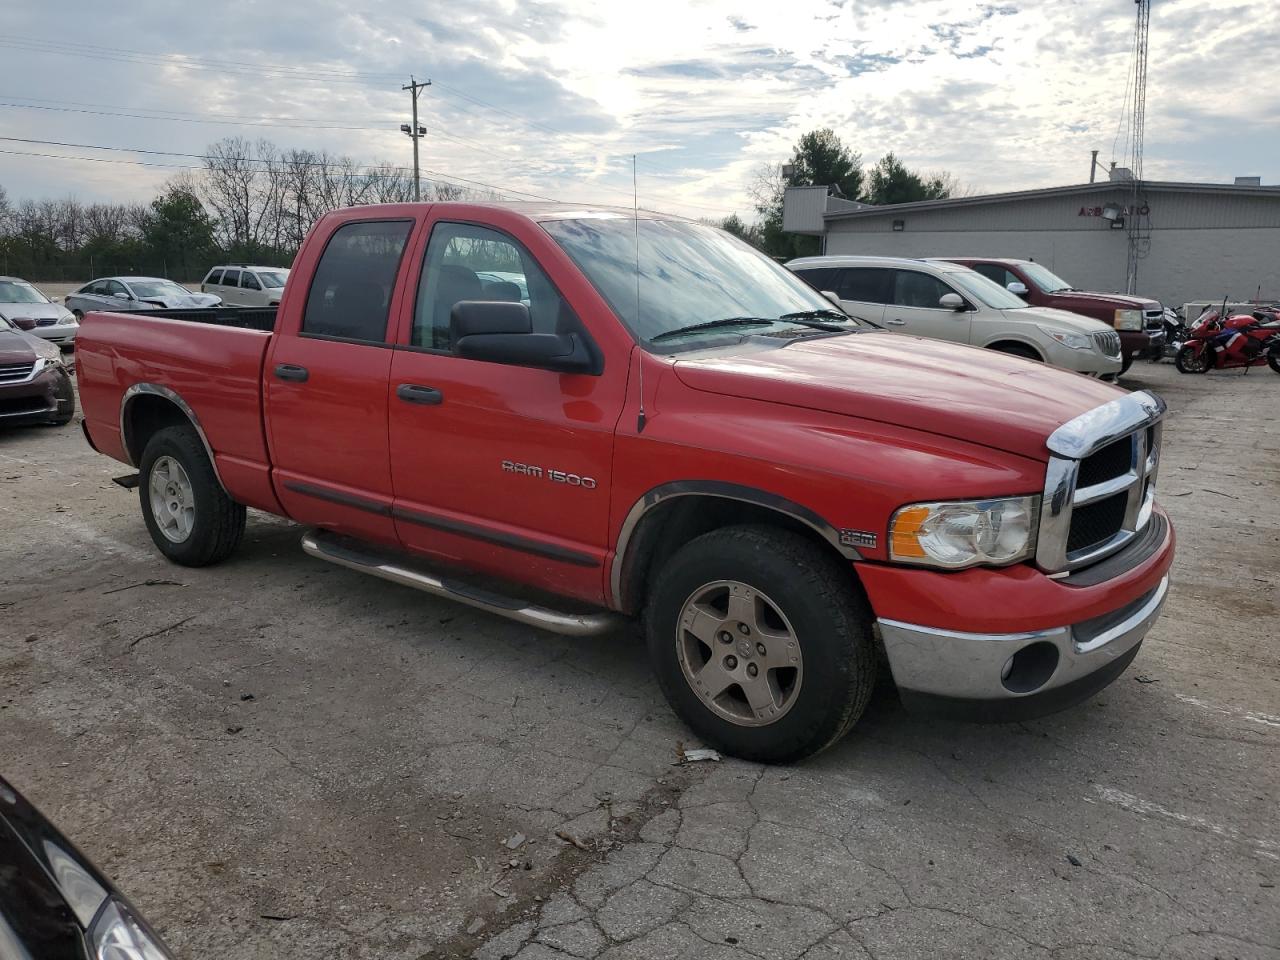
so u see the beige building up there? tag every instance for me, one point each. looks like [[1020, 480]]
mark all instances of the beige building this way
[[1196, 241]]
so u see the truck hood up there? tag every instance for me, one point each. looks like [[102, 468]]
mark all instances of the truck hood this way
[[1119, 301], [987, 398], [1058, 319]]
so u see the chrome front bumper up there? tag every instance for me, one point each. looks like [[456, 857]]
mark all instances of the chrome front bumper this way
[[1005, 676]]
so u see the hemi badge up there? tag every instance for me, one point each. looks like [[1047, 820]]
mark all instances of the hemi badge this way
[[857, 538]]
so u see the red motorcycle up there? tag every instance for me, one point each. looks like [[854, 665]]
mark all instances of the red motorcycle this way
[[1241, 340]]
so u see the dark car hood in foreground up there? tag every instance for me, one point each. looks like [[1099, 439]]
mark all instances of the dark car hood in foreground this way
[[49, 891], [987, 398], [16, 347]]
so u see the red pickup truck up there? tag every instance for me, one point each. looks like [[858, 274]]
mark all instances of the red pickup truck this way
[[1138, 320], [570, 415]]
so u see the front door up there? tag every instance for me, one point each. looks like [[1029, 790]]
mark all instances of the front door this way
[[326, 385], [863, 291], [914, 308], [498, 467]]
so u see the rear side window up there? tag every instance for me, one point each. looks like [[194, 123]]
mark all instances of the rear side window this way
[[215, 277], [820, 278], [231, 278], [914, 289], [350, 294], [865, 284]]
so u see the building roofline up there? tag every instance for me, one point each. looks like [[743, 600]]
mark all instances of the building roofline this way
[[1148, 186]]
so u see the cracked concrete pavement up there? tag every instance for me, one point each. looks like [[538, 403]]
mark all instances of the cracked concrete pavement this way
[[278, 758]]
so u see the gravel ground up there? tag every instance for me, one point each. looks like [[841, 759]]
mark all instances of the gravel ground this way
[[279, 758]]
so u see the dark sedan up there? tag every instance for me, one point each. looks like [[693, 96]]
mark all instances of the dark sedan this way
[[54, 904], [35, 384]]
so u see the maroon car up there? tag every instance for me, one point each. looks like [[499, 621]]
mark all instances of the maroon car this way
[[35, 384], [1138, 320]]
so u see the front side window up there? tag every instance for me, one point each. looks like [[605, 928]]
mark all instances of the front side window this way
[[987, 292], [350, 294], [820, 278], [468, 262], [914, 289], [19, 291], [249, 281], [116, 289]]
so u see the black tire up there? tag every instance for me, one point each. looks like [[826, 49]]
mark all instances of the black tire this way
[[1187, 362], [1019, 350], [65, 394], [1125, 364], [218, 523], [1273, 359], [827, 610], [79, 315]]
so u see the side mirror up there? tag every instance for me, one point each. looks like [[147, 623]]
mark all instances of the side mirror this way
[[500, 331], [1018, 289], [833, 297], [124, 296], [951, 301]]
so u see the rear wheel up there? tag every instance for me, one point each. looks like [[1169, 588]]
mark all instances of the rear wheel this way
[[189, 516], [1189, 361], [761, 642]]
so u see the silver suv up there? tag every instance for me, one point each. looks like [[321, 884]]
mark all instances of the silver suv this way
[[244, 285], [945, 301]]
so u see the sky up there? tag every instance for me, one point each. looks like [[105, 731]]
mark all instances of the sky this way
[[552, 99]]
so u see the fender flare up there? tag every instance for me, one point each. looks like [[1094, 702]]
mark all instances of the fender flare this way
[[722, 490], [156, 390]]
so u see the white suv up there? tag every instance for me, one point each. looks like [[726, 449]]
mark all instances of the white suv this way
[[946, 301], [242, 285]]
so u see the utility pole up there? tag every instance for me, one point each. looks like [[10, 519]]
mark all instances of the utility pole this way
[[415, 132]]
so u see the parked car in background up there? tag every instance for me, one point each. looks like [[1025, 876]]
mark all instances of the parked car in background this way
[[28, 308], [945, 301], [242, 285], [135, 293], [1138, 320], [35, 384], [54, 903]]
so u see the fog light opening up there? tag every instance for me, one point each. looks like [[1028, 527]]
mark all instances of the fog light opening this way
[[1030, 668]]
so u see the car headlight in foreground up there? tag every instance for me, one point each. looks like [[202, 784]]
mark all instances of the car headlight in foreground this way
[[1128, 320], [1076, 341], [952, 535], [120, 934]]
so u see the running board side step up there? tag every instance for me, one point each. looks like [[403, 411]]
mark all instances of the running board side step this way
[[324, 546]]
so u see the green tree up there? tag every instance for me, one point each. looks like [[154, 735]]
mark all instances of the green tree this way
[[743, 231], [179, 231], [892, 182], [819, 158]]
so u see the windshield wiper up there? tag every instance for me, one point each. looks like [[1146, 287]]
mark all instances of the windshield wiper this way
[[809, 318], [711, 325]]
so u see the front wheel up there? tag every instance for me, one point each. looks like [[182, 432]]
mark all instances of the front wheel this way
[[1273, 359], [761, 642], [1189, 361], [189, 516], [79, 315]]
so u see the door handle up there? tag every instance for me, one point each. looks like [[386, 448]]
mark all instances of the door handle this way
[[293, 372], [896, 322], [412, 393]]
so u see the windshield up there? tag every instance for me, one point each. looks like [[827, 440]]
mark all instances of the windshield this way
[[986, 292], [158, 288], [688, 274], [1046, 280], [19, 291], [273, 279]]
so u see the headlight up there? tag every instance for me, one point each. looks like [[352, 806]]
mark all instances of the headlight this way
[[120, 934], [1128, 320], [957, 534], [68, 317], [1076, 341]]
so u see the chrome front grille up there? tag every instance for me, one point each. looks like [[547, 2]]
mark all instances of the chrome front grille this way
[[1108, 342], [1100, 482], [15, 372]]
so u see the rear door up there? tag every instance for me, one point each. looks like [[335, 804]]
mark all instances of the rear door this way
[[863, 291], [499, 467], [326, 381], [913, 308], [229, 289]]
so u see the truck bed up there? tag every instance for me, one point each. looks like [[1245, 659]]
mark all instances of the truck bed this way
[[249, 318]]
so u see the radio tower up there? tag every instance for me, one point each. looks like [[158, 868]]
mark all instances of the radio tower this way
[[1139, 224]]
